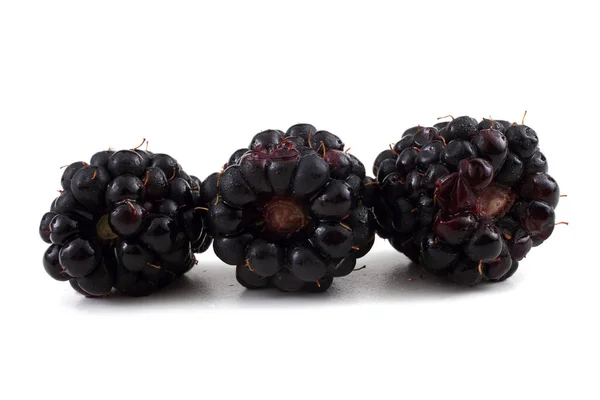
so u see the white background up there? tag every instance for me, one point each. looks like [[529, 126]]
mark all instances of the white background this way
[[198, 79]]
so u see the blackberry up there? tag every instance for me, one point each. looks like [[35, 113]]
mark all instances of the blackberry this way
[[466, 199], [291, 211], [129, 220]]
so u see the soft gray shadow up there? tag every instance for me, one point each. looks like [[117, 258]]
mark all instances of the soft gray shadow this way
[[388, 277], [199, 286]]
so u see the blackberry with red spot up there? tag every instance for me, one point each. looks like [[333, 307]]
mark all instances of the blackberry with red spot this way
[[129, 221], [466, 199], [291, 211]]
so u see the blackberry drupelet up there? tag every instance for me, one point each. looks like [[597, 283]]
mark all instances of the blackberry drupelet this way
[[291, 210], [466, 199], [129, 220]]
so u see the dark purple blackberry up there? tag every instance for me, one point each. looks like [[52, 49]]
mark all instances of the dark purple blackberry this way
[[467, 200], [129, 220], [291, 210]]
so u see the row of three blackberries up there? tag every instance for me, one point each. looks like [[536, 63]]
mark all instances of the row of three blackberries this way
[[293, 210]]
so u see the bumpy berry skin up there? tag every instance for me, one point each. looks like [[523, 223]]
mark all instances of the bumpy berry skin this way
[[291, 211], [466, 200], [129, 221]]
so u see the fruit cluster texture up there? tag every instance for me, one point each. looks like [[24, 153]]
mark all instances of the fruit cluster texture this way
[[128, 221], [466, 199], [291, 210]]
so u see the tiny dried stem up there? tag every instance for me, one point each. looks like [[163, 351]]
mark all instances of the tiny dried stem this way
[[131, 205], [173, 175], [324, 149], [140, 145], [345, 226]]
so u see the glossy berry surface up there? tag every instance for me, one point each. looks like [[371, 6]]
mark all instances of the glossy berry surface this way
[[290, 211], [127, 221], [466, 199]]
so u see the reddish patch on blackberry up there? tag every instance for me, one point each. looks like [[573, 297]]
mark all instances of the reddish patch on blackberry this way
[[479, 197], [291, 211]]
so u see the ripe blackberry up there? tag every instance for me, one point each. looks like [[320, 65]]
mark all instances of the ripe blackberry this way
[[467, 200], [290, 211], [129, 220]]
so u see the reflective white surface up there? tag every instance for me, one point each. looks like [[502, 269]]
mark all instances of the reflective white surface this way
[[198, 79]]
